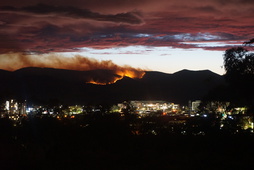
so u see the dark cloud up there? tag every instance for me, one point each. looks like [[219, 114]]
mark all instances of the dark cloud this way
[[8, 44], [73, 12]]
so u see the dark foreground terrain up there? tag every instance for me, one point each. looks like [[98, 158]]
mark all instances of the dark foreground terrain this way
[[108, 143]]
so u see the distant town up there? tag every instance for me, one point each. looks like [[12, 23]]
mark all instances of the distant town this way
[[143, 117]]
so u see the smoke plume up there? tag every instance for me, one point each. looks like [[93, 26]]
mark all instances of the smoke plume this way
[[15, 61]]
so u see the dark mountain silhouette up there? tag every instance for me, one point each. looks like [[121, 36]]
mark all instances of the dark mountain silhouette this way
[[42, 85]]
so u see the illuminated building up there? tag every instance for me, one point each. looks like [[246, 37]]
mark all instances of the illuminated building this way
[[195, 105], [14, 110], [11, 106], [74, 110], [144, 107]]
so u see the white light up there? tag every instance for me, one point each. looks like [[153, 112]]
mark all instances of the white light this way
[[230, 117]]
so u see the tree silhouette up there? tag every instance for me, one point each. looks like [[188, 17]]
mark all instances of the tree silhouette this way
[[238, 62], [239, 67], [251, 41]]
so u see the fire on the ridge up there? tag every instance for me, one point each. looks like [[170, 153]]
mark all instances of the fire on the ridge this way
[[120, 74]]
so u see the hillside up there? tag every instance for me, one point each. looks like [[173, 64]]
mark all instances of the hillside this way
[[44, 85]]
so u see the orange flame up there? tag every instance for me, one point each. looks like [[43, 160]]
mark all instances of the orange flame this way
[[131, 73]]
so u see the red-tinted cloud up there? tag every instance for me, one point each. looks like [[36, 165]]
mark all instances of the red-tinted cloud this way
[[73, 24]]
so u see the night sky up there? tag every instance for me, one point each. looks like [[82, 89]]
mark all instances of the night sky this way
[[161, 35]]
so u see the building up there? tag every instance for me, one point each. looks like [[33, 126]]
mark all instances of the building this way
[[13, 109], [195, 105], [146, 107]]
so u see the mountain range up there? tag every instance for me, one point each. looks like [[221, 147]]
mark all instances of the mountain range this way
[[44, 85]]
